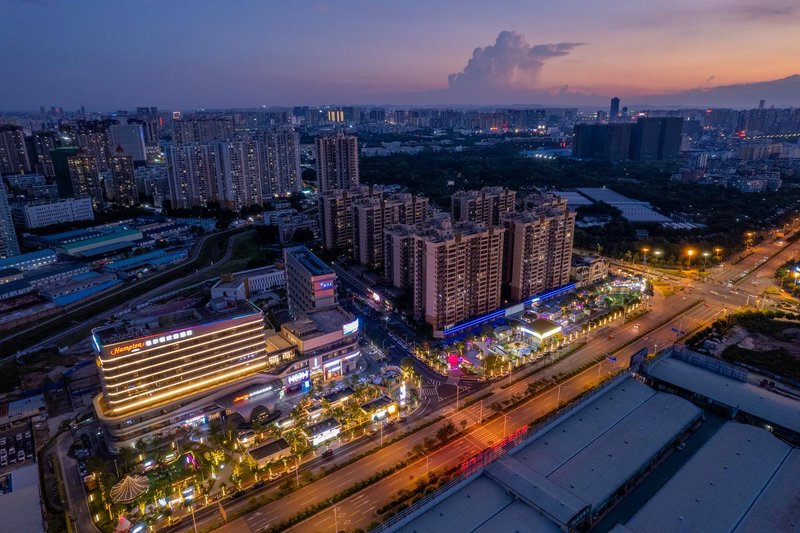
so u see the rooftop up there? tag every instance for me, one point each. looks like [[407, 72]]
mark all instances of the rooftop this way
[[377, 403], [268, 449], [749, 398], [309, 261], [319, 323], [233, 280], [14, 260], [322, 426], [742, 479], [22, 507], [144, 326]]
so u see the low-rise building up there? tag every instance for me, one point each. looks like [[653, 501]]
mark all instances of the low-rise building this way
[[29, 261], [249, 283], [379, 408], [323, 431], [588, 270], [46, 213], [270, 452]]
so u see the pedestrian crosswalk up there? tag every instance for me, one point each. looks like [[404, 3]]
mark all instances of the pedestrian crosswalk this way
[[429, 391]]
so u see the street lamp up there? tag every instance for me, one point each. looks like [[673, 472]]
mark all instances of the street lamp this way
[[717, 251], [749, 240], [705, 258], [657, 253], [690, 253], [644, 255]]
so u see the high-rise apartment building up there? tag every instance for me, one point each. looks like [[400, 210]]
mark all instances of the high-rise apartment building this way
[[192, 172], [336, 217], [123, 179], [13, 151], [538, 246], [337, 162], [129, 137], [60, 158], [9, 245], [486, 205], [202, 130], [239, 173], [280, 154], [85, 177], [371, 216], [310, 283], [43, 143], [457, 272], [398, 255], [93, 138], [606, 142]]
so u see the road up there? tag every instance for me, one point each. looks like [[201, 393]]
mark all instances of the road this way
[[97, 319]]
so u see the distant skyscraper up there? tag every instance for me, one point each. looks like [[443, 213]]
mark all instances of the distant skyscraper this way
[[486, 205], [202, 130], [656, 138], [538, 246], [280, 155], [614, 111], [131, 138], [85, 177], [608, 142], [8, 237], [124, 182], [93, 138], [13, 151], [337, 162]]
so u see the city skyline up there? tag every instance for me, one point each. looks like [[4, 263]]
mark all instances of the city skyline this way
[[352, 52]]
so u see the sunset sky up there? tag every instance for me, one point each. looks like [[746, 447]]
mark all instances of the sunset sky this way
[[217, 54]]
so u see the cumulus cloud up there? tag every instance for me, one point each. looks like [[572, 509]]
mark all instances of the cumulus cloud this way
[[510, 65]]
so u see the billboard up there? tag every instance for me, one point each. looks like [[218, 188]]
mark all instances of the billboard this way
[[350, 327]]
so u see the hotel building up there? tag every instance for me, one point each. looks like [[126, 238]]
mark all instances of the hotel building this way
[[161, 372]]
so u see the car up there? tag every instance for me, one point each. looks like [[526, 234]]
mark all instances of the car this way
[[681, 445], [327, 454], [708, 305], [610, 335], [259, 484], [636, 327]]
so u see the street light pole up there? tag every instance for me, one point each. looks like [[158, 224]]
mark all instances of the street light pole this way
[[335, 519]]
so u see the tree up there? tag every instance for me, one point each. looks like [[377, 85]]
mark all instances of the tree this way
[[303, 235], [445, 432]]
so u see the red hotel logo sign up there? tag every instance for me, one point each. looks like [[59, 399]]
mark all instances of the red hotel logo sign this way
[[127, 348]]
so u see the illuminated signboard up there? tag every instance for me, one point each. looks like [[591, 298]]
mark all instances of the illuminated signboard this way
[[294, 378], [169, 338], [350, 328], [127, 348], [326, 284]]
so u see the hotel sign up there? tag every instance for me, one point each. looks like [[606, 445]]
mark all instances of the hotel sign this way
[[127, 348], [326, 284]]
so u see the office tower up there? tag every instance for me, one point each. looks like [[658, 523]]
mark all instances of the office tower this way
[[202, 130], [161, 373], [280, 154], [656, 138], [8, 237], [486, 205], [607, 142], [130, 137], [372, 215], [44, 142], [337, 162], [123, 180], [192, 172], [538, 246], [310, 283], [239, 174], [13, 151], [85, 177], [60, 157], [614, 111], [336, 217], [457, 271]]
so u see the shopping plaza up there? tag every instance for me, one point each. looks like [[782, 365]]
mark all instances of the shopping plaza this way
[[161, 373]]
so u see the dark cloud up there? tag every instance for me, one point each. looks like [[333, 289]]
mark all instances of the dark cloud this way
[[510, 65]]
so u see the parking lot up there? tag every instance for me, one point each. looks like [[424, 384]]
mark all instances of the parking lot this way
[[16, 446]]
